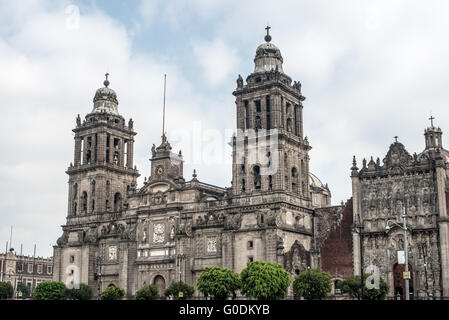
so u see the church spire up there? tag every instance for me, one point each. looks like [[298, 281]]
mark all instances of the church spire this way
[[433, 136]]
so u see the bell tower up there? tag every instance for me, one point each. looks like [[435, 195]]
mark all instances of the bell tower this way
[[269, 108], [102, 173], [433, 136]]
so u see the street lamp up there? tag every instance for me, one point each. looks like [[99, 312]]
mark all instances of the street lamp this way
[[360, 232], [404, 228]]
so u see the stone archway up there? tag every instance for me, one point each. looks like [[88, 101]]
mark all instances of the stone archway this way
[[159, 282], [399, 282]]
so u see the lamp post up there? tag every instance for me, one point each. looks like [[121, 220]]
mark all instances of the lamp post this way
[[308, 282], [404, 228], [360, 233]]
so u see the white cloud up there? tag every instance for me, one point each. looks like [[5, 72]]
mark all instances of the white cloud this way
[[218, 60]]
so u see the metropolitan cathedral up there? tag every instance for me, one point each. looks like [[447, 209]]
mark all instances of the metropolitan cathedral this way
[[172, 227]]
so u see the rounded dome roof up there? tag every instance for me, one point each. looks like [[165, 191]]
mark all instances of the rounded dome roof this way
[[105, 99], [107, 94], [268, 58], [315, 182], [431, 153]]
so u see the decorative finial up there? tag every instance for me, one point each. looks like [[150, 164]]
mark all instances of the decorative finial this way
[[395, 138], [431, 120], [194, 174], [268, 37], [106, 82]]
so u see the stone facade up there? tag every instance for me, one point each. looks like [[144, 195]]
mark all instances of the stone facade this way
[[419, 186], [171, 229], [18, 269]]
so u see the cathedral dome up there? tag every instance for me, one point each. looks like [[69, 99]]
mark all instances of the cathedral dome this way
[[315, 182], [268, 56], [105, 99]]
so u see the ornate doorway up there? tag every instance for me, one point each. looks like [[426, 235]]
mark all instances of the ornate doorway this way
[[399, 282], [159, 282]]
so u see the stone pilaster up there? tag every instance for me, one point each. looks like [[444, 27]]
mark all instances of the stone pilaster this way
[[443, 227], [130, 154], [77, 158]]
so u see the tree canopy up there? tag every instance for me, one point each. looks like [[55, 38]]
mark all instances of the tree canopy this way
[[113, 293], [176, 287], [265, 280], [6, 290], [147, 293], [84, 292], [218, 282], [50, 290], [312, 284], [353, 286]]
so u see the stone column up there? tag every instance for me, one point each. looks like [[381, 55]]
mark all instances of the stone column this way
[[111, 149], [77, 160], [263, 113], [101, 147], [130, 153], [121, 150], [84, 149], [443, 226], [355, 211]]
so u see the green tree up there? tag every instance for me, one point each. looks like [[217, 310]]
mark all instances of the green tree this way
[[50, 290], [218, 282], [113, 293], [6, 290], [352, 286], [176, 287], [84, 292], [265, 280], [312, 284], [25, 289], [147, 293]]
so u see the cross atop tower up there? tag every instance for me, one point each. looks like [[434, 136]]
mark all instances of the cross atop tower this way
[[106, 82], [268, 37], [431, 120]]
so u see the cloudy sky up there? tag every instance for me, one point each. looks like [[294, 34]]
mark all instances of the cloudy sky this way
[[370, 71]]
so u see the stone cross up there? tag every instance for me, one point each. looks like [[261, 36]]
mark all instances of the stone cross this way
[[431, 120]]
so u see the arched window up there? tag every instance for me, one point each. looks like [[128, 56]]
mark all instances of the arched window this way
[[270, 182], [303, 188], [117, 202], [246, 115], [92, 187], [243, 185], [257, 179], [294, 180], [84, 202]]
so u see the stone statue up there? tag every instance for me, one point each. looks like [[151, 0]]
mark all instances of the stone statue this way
[[240, 82], [153, 149], [130, 123], [78, 121]]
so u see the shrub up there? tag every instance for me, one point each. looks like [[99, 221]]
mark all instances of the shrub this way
[[84, 292], [176, 287], [113, 293], [50, 290], [147, 293], [353, 286]]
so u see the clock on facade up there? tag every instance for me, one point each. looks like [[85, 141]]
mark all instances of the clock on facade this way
[[160, 170]]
